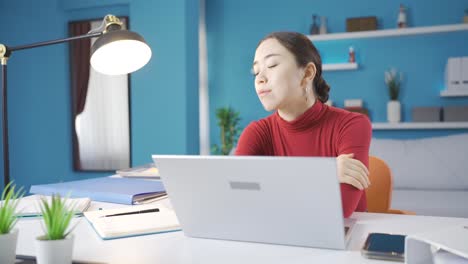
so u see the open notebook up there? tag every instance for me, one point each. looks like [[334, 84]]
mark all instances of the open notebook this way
[[111, 227], [29, 206]]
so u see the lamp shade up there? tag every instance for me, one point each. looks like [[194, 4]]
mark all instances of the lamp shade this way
[[119, 52]]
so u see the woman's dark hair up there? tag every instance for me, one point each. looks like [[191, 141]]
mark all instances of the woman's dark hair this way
[[304, 52]]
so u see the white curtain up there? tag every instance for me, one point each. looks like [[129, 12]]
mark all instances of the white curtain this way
[[103, 126]]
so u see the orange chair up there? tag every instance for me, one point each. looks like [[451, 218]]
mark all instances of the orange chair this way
[[379, 193]]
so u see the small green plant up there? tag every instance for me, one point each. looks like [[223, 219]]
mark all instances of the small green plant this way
[[393, 79], [9, 202], [57, 217], [228, 122]]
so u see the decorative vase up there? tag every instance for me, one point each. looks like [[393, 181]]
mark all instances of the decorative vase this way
[[402, 17], [8, 247], [351, 55], [54, 251], [394, 111], [314, 29], [323, 25]]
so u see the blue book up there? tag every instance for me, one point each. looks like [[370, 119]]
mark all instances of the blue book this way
[[106, 189]]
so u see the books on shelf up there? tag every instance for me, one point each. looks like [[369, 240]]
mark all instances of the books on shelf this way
[[145, 171], [358, 103], [127, 222], [107, 189], [357, 109], [30, 206]]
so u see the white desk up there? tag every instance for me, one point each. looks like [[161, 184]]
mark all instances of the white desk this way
[[176, 248]]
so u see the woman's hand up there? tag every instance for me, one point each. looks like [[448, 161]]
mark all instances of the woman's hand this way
[[352, 171]]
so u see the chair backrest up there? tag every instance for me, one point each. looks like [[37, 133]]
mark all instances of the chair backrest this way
[[379, 193]]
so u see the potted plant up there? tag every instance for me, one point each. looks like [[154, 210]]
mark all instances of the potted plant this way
[[228, 122], [56, 246], [8, 218], [393, 80]]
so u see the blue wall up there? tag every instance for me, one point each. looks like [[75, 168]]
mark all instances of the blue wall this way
[[164, 94], [235, 26]]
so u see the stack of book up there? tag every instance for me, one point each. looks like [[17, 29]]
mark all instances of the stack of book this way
[[144, 171], [356, 105], [107, 189]]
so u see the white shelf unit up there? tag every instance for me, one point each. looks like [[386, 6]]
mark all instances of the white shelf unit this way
[[457, 93], [419, 125], [339, 66], [390, 32], [396, 33]]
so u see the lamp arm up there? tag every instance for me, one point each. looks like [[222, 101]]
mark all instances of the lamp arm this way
[[52, 42], [5, 53], [110, 22]]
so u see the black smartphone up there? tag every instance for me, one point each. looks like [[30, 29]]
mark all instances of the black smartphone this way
[[384, 246]]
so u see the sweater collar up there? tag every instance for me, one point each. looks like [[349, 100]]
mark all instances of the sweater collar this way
[[306, 120]]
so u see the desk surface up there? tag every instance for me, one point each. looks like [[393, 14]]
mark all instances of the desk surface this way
[[174, 247]]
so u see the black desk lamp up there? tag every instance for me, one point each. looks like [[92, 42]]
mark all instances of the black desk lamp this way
[[115, 52]]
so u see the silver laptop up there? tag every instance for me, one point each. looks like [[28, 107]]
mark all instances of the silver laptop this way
[[278, 200]]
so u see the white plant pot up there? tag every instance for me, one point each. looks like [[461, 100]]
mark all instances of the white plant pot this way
[[54, 251], [394, 111], [8, 247]]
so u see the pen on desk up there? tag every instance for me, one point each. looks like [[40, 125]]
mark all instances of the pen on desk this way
[[154, 210]]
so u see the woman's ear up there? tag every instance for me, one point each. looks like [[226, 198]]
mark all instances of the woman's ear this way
[[309, 73]]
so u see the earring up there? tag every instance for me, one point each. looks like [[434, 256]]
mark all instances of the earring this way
[[307, 89]]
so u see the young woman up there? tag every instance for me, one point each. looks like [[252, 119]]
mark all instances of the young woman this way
[[288, 80]]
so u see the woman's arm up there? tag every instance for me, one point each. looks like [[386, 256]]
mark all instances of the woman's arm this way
[[252, 141], [355, 137]]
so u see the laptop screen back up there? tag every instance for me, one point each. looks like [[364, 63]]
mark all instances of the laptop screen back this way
[[279, 200]]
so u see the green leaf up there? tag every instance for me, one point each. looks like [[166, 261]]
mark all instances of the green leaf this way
[[57, 216], [393, 79], [228, 122], [9, 202]]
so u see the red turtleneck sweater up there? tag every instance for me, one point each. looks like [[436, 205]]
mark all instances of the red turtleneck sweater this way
[[321, 131]]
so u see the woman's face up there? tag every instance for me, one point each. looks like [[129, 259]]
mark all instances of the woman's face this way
[[277, 76]]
